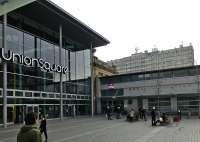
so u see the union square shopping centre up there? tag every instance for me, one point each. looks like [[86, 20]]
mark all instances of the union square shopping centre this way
[[44, 62]]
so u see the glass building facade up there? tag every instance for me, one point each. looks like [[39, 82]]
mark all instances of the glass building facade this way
[[167, 90], [35, 84], [25, 82]]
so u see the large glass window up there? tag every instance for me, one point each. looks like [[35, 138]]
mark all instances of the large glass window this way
[[14, 40], [1, 38], [72, 65], [112, 92], [22, 77], [29, 45], [63, 57], [56, 55], [47, 52], [38, 48], [80, 73], [87, 63]]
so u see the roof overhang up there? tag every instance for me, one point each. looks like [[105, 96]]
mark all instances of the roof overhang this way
[[10, 5], [50, 15]]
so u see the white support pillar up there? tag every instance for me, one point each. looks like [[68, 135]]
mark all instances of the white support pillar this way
[[173, 100], [74, 111], [145, 104], [135, 104], [4, 73], [125, 104], [61, 88]]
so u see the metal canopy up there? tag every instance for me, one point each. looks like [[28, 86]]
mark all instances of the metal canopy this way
[[51, 16], [10, 5]]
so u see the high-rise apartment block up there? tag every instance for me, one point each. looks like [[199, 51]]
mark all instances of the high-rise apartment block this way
[[155, 60]]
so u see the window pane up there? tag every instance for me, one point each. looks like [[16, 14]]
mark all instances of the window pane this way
[[14, 40], [79, 65], [29, 45], [72, 65]]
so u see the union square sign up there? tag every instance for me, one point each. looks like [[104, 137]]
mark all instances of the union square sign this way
[[28, 61]]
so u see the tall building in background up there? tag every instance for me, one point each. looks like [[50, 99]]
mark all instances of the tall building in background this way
[[155, 60]]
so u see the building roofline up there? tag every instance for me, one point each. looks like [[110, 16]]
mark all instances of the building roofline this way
[[51, 16], [76, 20], [154, 71]]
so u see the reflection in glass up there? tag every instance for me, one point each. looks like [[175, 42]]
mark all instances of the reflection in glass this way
[[29, 45], [1, 38], [87, 63], [47, 51], [80, 72], [14, 40], [27, 79], [72, 65], [56, 55], [63, 57]]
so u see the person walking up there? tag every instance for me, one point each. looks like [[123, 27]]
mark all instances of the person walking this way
[[29, 132], [179, 114], [108, 112], [118, 112], [140, 112], [153, 117], [43, 127], [144, 115]]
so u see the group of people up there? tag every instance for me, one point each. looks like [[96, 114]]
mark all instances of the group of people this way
[[30, 132], [109, 110], [163, 119], [156, 116], [142, 113]]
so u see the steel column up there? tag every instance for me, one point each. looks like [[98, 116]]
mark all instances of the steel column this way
[[4, 74], [61, 87], [92, 80]]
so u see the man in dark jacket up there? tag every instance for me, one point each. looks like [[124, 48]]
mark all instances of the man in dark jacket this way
[[108, 112], [43, 127], [29, 132]]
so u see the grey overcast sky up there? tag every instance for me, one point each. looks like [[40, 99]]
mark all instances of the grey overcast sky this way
[[144, 24]]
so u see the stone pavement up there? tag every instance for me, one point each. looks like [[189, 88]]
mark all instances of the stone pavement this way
[[187, 130], [98, 129]]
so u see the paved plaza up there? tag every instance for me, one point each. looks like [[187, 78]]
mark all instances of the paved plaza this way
[[98, 129]]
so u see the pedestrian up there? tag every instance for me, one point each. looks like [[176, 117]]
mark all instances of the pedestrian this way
[[140, 112], [153, 117], [29, 132], [118, 112], [108, 112], [179, 114], [144, 114], [43, 127]]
